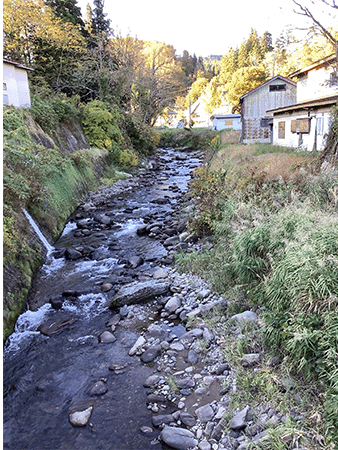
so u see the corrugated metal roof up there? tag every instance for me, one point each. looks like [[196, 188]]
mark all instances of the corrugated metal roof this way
[[225, 116], [20, 66], [317, 102], [277, 77]]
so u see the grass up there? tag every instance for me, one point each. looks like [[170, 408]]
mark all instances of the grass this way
[[273, 220]]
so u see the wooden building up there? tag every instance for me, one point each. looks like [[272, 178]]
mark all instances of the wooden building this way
[[223, 121], [257, 122]]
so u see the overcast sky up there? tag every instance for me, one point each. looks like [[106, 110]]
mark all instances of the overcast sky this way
[[201, 27]]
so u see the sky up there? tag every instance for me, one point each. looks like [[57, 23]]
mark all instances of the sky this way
[[201, 27]]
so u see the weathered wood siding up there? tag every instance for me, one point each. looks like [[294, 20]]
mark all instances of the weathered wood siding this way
[[255, 105]]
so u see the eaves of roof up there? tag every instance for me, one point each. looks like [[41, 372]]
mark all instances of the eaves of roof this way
[[318, 63], [277, 77], [20, 66], [308, 104]]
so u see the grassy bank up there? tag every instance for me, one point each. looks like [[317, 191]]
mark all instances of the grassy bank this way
[[273, 247]]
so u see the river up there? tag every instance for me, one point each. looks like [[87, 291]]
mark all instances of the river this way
[[47, 376]]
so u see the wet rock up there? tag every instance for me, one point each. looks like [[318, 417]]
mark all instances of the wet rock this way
[[205, 413], [114, 320], [155, 398], [150, 354], [124, 311], [138, 292], [72, 254], [56, 302], [106, 287], [107, 338], [142, 230], [54, 327], [146, 430], [135, 261], [171, 241], [99, 388], [151, 381], [178, 438], [162, 419], [176, 346], [204, 445], [104, 220], [80, 418]]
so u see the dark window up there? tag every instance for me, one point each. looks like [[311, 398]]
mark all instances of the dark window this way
[[277, 87]]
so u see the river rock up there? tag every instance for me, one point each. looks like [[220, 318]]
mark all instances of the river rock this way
[[238, 421], [192, 357], [251, 359], [135, 261], [186, 383], [99, 388], [187, 419], [205, 413], [151, 353], [151, 381], [106, 287], [160, 274], [246, 316], [54, 327], [71, 254], [137, 346], [107, 338], [162, 419], [138, 292], [178, 438], [172, 304], [80, 418]]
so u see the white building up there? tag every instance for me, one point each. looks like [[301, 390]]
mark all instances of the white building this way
[[306, 123], [223, 121], [15, 85]]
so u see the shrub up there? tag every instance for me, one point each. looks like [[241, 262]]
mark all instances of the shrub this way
[[100, 125]]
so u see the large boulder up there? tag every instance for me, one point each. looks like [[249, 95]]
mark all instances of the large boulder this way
[[178, 438], [138, 292]]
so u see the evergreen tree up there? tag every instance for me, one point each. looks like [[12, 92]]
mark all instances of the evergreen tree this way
[[67, 11], [242, 55], [266, 43], [99, 22]]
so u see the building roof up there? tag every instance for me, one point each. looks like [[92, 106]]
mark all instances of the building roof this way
[[277, 77], [225, 116], [328, 100], [320, 62], [20, 66]]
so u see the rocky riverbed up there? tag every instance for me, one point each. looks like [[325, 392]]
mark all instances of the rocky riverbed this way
[[117, 349]]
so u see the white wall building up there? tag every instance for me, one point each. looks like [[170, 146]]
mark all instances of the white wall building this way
[[305, 124], [15, 84], [223, 121]]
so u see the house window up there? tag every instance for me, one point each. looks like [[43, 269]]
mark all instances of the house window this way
[[277, 87], [300, 126], [228, 122], [293, 126], [320, 125], [281, 130], [5, 99], [4, 86]]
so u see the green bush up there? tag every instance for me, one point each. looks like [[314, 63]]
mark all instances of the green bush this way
[[100, 126]]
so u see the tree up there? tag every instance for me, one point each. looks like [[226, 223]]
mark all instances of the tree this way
[[318, 26], [196, 89], [68, 11], [244, 80], [99, 22], [33, 35]]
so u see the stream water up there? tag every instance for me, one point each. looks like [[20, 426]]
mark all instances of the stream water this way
[[48, 375]]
